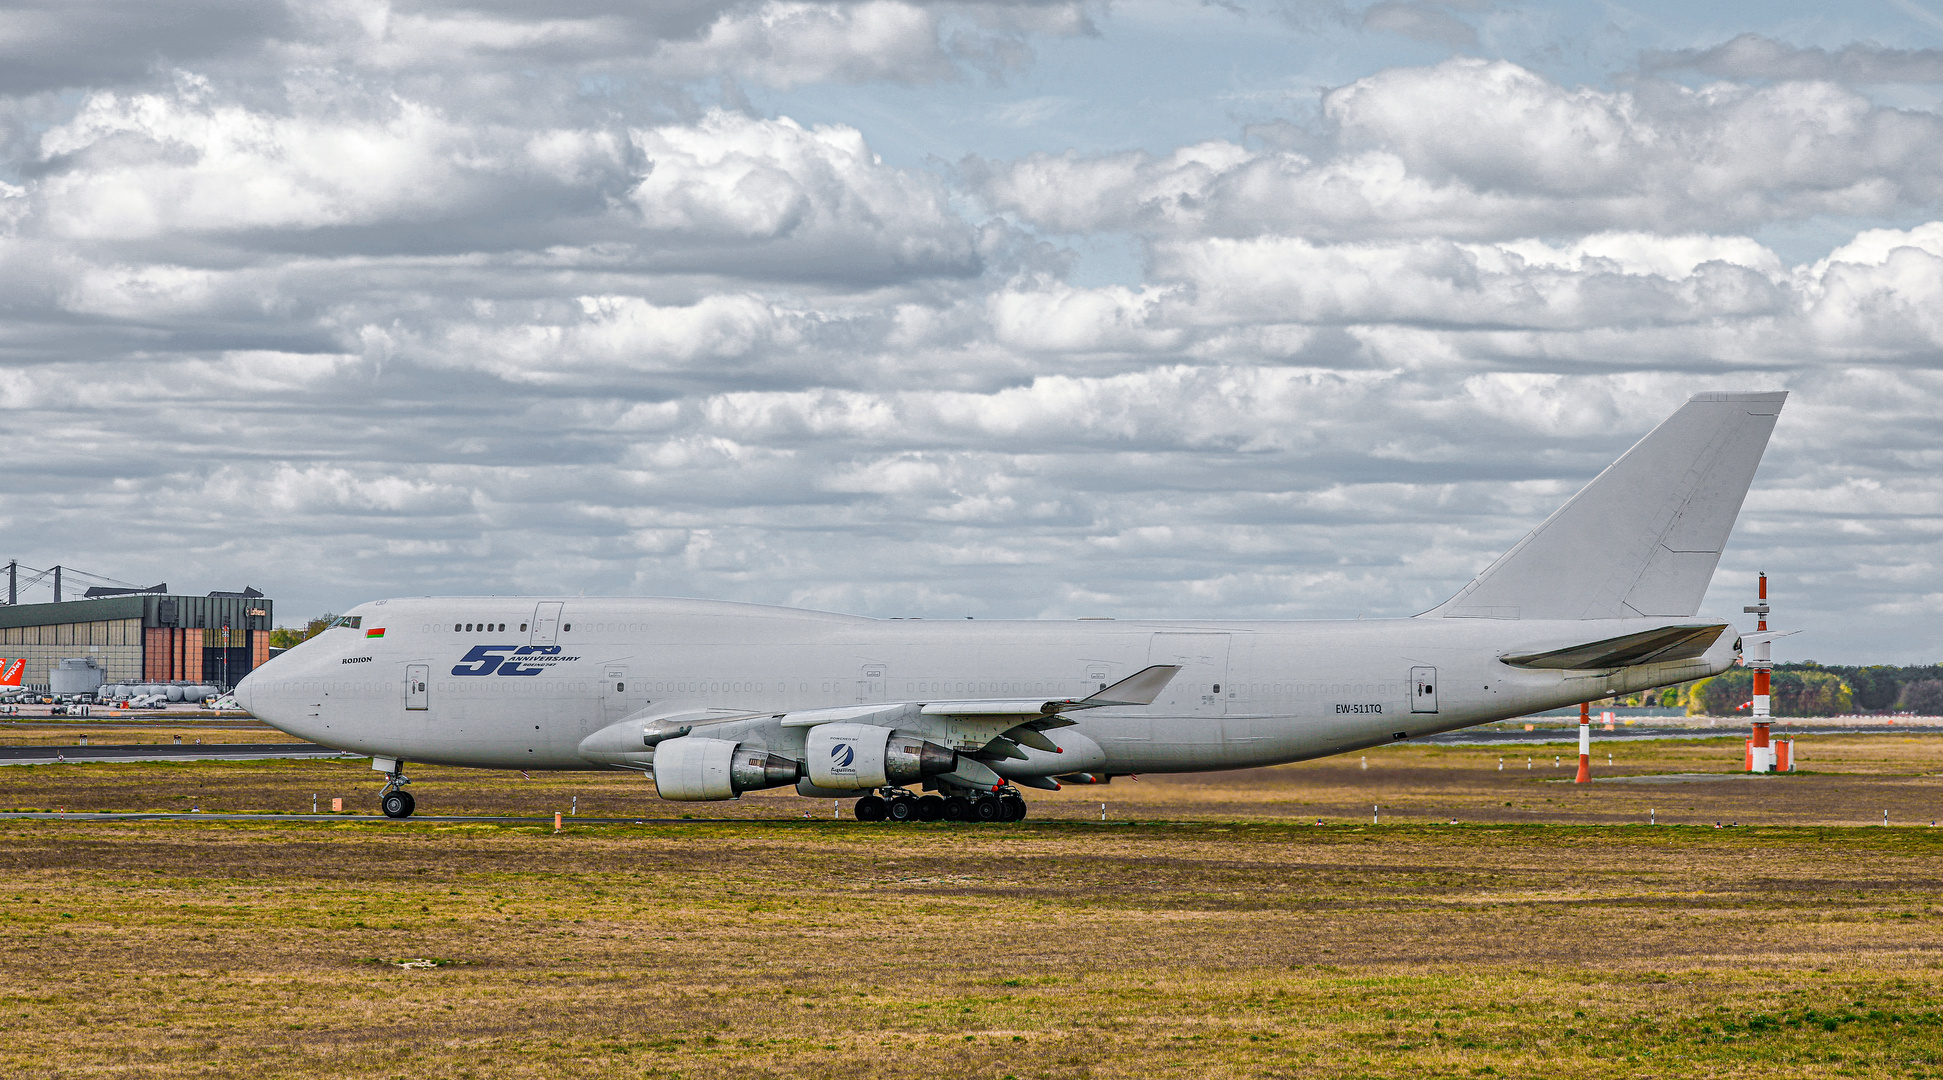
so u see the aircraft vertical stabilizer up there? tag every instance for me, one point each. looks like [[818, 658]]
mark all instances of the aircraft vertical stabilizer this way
[[1643, 538]]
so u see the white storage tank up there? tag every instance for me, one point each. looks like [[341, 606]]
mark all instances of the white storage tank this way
[[75, 676]]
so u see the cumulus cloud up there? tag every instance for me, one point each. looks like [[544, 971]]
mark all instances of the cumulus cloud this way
[[1487, 149], [785, 44], [57, 44], [733, 180], [373, 297], [1420, 20], [1753, 56]]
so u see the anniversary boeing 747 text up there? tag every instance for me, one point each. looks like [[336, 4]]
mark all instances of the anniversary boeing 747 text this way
[[923, 720]]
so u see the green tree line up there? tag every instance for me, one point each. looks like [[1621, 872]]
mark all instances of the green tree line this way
[[288, 637], [1809, 689]]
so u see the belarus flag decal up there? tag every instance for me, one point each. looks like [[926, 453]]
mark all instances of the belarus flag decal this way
[[376, 631]]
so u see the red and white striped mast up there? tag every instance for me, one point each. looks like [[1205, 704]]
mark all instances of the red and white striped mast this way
[[1585, 743], [1760, 753]]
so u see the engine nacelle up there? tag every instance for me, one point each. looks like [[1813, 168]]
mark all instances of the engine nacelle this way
[[693, 769], [854, 757]]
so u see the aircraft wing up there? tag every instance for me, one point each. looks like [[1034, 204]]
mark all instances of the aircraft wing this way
[[989, 728], [1668, 643], [1140, 688]]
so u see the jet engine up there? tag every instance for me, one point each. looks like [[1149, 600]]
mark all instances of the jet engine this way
[[696, 769], [854, 757]]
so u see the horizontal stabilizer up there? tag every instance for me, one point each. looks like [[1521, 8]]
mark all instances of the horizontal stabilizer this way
[[1666, 644]]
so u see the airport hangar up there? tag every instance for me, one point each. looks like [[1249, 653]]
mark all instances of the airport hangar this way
[[143, 637]]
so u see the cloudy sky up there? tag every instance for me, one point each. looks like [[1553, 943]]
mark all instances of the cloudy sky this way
[[1252, 309]]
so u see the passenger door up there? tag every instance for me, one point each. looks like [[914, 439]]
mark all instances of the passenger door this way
[[418, 683], [1201, 687], [546, 623], [613, 694], [873, 684], [1423, 689]]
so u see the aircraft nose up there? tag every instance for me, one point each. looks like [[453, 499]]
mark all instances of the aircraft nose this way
[[244, 693]]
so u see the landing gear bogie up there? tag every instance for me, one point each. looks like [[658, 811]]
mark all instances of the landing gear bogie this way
[[898, 805], [872, 808]]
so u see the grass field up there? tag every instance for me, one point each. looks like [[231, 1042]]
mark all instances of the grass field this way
[[1230, 939]]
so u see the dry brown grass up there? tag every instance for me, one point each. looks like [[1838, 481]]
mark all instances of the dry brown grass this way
[[1210, 948], [1847, 780]]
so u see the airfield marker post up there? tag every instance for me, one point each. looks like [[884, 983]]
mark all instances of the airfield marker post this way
[[556, 821], [1585, 744]]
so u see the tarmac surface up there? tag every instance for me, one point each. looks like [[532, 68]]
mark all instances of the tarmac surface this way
[[354, 819], [44, 755], [1490, 737], [47, 755]]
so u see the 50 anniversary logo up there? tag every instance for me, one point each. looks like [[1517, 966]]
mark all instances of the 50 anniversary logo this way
[[525, 660]]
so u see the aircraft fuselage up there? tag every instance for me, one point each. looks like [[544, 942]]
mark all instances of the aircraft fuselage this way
[[445, 684]]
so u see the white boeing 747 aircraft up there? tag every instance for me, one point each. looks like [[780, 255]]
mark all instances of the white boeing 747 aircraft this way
[[713, 699]]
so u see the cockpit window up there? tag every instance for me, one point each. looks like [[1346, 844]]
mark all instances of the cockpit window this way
[[352, 621]]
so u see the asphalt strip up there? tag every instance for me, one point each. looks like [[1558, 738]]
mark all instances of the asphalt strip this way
[[52, 755], [356, 819]]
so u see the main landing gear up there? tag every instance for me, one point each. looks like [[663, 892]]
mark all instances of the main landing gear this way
[[393, 799], [897, 804]]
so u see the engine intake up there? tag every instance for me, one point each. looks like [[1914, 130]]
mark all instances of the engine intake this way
[[691, 769], [854, 757]]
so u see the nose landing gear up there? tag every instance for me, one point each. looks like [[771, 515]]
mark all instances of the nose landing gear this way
[[398, 804], [393, 799]]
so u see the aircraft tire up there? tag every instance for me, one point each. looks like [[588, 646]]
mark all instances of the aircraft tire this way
[[871, 808], [902, 810], [931, 808], [1014, 808], [958, 808], [399, 804], [987, 809]]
